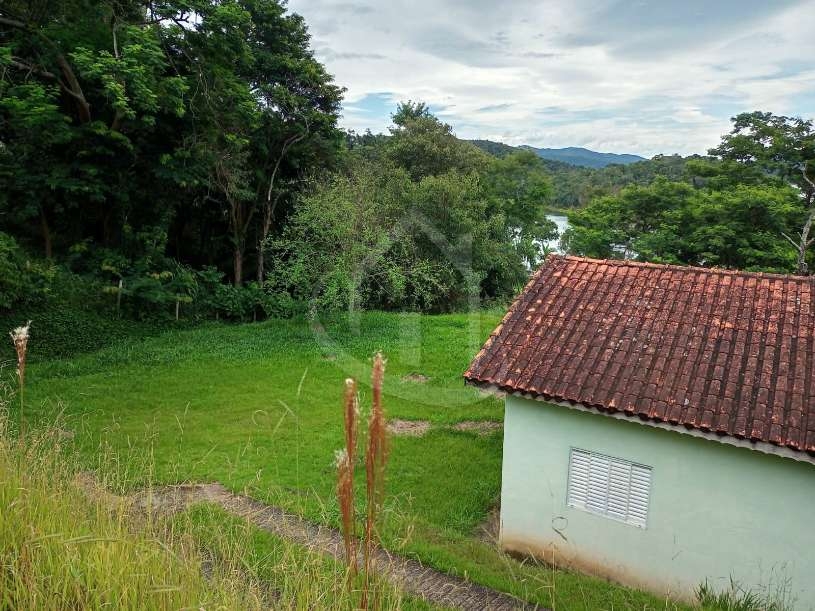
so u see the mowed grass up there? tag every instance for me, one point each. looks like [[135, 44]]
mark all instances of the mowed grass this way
[[258, 408]]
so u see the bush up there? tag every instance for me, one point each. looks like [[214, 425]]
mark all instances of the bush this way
[[214, 299], [21, 280], [74, 313], [72, 316], [66, 331]]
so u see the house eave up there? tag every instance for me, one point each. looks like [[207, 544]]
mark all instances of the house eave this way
[[757, 446]]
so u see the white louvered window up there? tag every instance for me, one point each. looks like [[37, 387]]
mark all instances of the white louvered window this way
[[616, 488]]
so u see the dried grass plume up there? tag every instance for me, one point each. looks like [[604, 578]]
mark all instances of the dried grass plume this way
[[20, 338]]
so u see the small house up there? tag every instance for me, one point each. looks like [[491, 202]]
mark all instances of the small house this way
[[660, 425]]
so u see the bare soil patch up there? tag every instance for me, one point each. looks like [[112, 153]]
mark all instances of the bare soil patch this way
[[408, 428], [489, 529], [479, 427], [416, 378]]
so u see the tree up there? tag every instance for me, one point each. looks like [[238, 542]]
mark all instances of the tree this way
[[737, 209], [191, 119], [425, 146], [417, 220], [522, 188], [263, 90], [84, 87], [613, 226], [737, 227], [410, 111], [782, 147]]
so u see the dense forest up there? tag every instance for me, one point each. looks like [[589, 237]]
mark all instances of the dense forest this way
[[182, 160]]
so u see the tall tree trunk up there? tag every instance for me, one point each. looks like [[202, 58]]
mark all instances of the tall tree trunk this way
[[803, 245], [266, 227], [261, 262], [46, 234], [237, 261], [74, 89], [270, 203]]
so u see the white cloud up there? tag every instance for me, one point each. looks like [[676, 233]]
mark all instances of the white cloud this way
[[648, 77]]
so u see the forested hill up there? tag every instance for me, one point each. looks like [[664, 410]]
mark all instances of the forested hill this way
[[574, 186], [584, 157], [571, 155]]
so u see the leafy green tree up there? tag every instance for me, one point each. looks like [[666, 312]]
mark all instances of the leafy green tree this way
[[741, 228], [410, 111], [83, 86], [522, 189], [335, 245], [737, 227], [417, 220], [266, 114], [781, 147], [612, 226], [737, 209], [188, 119], [425, 146]]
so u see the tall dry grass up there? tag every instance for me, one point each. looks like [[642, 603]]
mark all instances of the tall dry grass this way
[[345, 474], [376, 454], [61, 548], [19, 337]]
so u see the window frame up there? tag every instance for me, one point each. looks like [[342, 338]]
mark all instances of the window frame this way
[[605, 514]]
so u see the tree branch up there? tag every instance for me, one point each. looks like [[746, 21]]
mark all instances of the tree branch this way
[[75, 88], [791, 241], [15, 63], [71, 84], [13, 23], [807, 178], [291, 141]]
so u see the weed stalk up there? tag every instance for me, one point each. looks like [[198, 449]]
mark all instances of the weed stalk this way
[[19, 337], [375, 458], [345, 473]]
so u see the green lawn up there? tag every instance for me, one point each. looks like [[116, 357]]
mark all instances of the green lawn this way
[[258, 408]]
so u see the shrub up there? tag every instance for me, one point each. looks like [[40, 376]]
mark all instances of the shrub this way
[[21, 280], [73, 316]]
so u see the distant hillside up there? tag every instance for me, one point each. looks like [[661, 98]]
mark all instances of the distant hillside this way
[[499, 149], [574, 185], [584, 157]]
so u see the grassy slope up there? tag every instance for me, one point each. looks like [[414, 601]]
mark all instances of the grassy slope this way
[[62, 546], [257, 407]]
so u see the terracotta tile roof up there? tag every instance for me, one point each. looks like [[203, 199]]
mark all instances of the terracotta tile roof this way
[[725, 352]]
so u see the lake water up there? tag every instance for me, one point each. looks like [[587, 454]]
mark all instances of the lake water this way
[[562, 224]]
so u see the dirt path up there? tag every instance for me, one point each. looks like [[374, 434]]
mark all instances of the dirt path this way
[[409, 575]]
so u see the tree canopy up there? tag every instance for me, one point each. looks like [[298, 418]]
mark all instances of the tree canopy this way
[[139, 131], [747, 206], [183, 157], [418, 220]]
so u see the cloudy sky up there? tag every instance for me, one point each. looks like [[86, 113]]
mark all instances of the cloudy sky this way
[[637, 76]]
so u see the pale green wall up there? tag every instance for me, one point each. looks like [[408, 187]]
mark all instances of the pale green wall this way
[[715, 510]]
